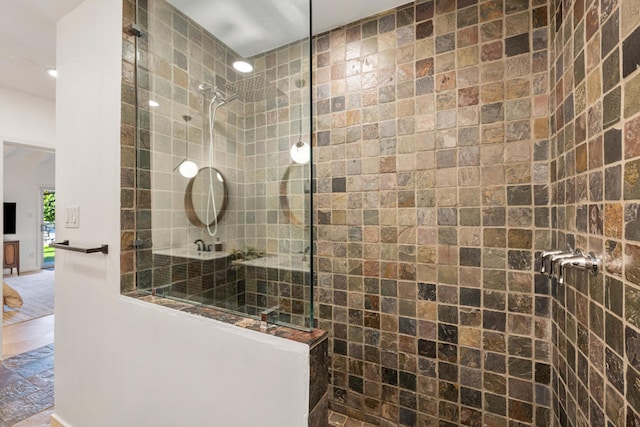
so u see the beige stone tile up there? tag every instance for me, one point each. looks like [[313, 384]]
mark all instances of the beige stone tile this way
[[631, 98]]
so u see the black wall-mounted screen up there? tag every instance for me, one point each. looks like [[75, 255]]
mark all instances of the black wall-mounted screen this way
[[9, 218]]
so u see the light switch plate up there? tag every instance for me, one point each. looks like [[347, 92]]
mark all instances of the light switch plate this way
[[72, 217]]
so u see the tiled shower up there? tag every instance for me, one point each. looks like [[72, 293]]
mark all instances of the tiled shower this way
[[178, 63], [455, 140], [432, 165]]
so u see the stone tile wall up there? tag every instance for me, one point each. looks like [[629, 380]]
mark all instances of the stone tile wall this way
[[213, 282], [273, 125], [174, 56], [432, 170], [177, 56], [289, 290], [127, 151], [594, 101]]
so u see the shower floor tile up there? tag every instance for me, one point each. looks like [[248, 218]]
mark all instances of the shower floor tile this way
[[339, 420]]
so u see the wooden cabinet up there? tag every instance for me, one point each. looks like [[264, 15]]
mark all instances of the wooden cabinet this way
[[11, 257]]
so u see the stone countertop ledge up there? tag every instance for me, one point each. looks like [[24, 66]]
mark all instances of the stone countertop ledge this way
[[309, 338], [191, 253]]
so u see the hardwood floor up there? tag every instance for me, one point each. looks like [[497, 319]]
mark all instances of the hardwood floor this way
[[43, 419], [26, 336]]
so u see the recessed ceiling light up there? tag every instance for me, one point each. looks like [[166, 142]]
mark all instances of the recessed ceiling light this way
[[153, 103], [243, 66], [52, 72]]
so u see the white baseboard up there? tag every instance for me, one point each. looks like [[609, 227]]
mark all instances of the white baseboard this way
[[56, 421]]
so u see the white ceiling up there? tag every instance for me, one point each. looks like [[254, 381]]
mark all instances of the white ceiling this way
[[26, 153], [28, 43], [28, 30], [254, 26]]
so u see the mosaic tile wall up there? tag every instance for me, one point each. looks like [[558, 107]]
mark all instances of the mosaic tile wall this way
[[595, 122], [432, 172]]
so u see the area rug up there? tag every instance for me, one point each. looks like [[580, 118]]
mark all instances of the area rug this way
[[37, 293]]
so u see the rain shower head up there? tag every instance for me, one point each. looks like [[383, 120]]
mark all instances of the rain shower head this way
[[251, 89]]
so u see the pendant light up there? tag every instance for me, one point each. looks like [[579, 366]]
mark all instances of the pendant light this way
[[187, 168], [300, 151]]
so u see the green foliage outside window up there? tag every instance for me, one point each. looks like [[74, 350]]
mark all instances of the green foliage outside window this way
[[49, 206]]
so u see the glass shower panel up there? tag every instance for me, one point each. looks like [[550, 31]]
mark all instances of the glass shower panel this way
[[224, 193]]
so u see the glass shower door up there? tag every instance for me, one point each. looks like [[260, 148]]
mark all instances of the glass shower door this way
[[235, 105]]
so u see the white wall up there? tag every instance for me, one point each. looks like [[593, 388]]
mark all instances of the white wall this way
[[26, 172], [27, 119], [119, 361]]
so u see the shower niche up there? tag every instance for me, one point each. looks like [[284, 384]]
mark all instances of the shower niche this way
[[223, 118]]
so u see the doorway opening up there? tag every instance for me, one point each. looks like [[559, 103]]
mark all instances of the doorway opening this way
[[28, 175]]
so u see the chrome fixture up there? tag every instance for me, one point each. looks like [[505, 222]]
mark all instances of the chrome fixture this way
[[269, 317], [218, 99], [544, 259], [553, 263], [250, 89], [587, 262], [216, 94]]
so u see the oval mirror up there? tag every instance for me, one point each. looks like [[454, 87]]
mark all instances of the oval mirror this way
[[198, 204], [295, 194]]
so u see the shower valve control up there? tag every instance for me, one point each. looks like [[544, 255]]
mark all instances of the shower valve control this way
[[72, 217], [554, 263]]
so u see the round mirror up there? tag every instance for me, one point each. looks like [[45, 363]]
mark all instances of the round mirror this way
[[295, 194], [200, 207]]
